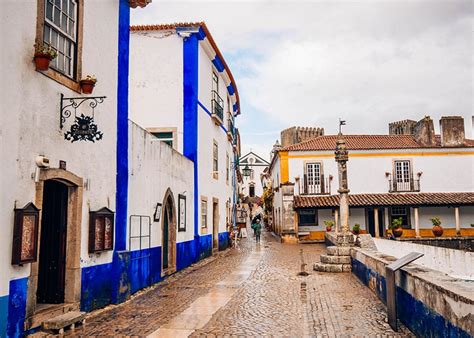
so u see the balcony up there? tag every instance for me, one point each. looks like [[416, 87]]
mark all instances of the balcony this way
[[217, 108], [230, 129], [318, 187], [411, 185]]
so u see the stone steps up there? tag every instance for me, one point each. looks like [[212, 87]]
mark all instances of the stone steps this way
[[66, 320], [337, 259], [328, 259], [338, 250], [324, 267]]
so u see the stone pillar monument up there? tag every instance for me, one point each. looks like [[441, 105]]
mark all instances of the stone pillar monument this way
[[343, 237]]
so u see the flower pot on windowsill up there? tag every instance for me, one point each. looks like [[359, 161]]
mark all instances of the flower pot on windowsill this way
[[397, 232], [42, 61], [87, 86], [437, 230]]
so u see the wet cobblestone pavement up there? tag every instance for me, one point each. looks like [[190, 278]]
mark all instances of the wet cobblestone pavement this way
[[256, 292]]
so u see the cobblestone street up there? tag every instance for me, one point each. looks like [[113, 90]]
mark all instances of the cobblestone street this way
[[251, 291]]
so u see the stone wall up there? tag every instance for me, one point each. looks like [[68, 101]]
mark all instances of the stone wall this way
[[429, 303], [295, 135]]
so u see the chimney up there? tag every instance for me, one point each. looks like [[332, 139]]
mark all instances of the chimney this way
[[452, 131], [424, 132]]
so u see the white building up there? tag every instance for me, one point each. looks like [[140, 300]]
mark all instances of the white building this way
[[255, 165], [415, 176], [183, 93], [65, 173]]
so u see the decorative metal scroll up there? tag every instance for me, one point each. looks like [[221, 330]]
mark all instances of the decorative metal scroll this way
[[83, 128]]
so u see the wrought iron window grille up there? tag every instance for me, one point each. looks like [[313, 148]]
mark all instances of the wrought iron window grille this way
[[84, 127]]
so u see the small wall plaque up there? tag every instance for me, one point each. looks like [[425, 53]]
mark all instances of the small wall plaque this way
[[101, 230], [181, 213], [157, 214], [25, 235]]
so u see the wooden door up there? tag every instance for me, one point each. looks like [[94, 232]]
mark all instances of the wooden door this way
[[52, 262]]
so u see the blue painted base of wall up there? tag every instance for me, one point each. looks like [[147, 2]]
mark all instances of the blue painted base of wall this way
[[205, 246], [17, 307], [224, 241], [115, 282], [186, 254], [420, 319], [3, 315]]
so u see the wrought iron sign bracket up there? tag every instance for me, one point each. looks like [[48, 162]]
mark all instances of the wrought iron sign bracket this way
[[83, 128]]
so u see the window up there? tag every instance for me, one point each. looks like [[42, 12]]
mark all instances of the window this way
[[215, 157], [308, 217], [402, 173], [312, 181], [60, 32], [403, 213], [166, 137], [227, 169], [215, 82], [203, 213]]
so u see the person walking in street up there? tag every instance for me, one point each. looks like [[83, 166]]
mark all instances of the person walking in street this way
[[258, 230]]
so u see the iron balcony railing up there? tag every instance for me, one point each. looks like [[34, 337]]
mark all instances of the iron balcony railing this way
[[321, 186], [411, 185], [217, 106]]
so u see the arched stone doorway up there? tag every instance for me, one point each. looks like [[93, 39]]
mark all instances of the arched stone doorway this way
[[59, 197], [168, 234]]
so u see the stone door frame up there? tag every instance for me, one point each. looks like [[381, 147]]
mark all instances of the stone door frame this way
[[72, 290], [169, 202]]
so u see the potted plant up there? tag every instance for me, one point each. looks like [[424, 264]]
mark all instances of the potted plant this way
[[329, 225], [396, 227], [437, 228], [88, 84], [356, 229], [43, 56]]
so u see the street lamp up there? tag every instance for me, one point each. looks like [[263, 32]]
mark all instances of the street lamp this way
[[246, 172]]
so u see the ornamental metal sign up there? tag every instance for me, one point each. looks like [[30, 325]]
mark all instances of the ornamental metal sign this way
[[84, 127]]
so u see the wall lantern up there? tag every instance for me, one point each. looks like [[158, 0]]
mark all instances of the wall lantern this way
[[101, 230], [25, 235], [246, 172]]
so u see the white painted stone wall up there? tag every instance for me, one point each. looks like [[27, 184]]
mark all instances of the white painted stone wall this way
[[29, 125], [156, 81], [155, 167], [156, 99], [455, 263]]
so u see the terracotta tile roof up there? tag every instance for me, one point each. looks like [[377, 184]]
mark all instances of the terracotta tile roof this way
[[365, 142], [201, 24], [362, 200]]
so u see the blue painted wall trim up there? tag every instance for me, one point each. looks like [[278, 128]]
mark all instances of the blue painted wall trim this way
[[224, 241], [236, 107], [122, 126], [209, 113], [205, 246], [186, 254], [190, 118], [201, 34], [96, 286], [230, 89], [3, 315], [218, 64], [17, 307], [419, 318]]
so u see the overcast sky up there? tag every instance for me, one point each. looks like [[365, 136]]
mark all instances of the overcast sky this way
[[307, 63]]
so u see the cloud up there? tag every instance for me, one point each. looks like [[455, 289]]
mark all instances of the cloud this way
[[311, 62]]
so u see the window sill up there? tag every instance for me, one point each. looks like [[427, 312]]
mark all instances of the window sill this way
[[62, 79]]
